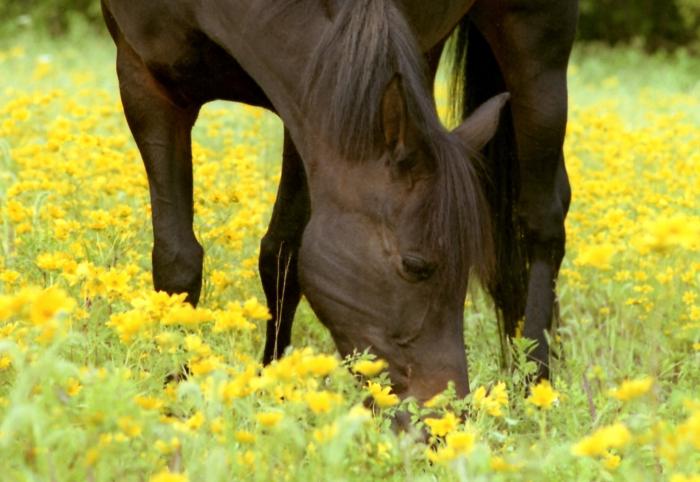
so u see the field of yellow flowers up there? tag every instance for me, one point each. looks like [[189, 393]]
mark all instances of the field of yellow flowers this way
[[91, 384]]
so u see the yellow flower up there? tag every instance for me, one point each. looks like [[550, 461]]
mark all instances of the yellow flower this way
[[690, 429], [457, 444], [689, 298], [442, 426], [205, 365], [543, 395], [231, 318], [255, 310], [596, 255], [51, 261], [16, 212], [128, 325], [603, 439], [9, 276], [611, 461], [48, 304], [383, 451], [382, 396], [148, 403], [166, 340], [247, 458], [491, 403], [461, 442], [166, 476], [369, 368], [630, 389], [115, 282], [685, 478], [358, 412], [195, 421], [129, 427], [166, 448], [499, 394], [186, 315], [441, 455], [499, 464], [91, 456], [217, 425], [269, 419], [98, 219], [194, 344], [219, 279], [438, 400], [320, 402], [74, 387], [244, 437], [326, 433], [664, 233], [321, 365]]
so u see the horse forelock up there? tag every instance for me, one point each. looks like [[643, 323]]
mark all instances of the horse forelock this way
[[368, 43]]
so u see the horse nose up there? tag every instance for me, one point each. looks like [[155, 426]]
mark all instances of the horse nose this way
[[401, 422], [425, 386]]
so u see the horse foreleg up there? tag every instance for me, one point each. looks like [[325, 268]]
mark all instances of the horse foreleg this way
[[532, 47], [162, 131], [279, 249], [543, 201], [543, 207]]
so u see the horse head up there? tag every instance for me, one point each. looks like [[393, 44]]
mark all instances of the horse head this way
[[398, 218]]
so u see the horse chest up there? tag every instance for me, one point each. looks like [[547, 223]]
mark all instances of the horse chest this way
[[204, 72]]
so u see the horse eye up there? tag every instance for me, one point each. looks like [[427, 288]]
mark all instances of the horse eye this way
[[407, 163], [418, 268]]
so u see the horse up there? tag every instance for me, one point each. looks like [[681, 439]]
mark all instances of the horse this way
[[381, 215]]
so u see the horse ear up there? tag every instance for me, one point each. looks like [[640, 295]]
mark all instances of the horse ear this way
[[394, 112], [481, 125]]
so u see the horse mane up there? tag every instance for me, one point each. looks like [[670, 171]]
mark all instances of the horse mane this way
[[368, 43]]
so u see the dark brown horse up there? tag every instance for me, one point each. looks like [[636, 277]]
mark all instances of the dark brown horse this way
[[380, 216]]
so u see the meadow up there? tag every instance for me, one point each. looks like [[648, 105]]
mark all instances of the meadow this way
[[89, 353]]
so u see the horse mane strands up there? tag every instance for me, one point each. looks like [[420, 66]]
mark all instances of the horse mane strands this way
[[369, 43]]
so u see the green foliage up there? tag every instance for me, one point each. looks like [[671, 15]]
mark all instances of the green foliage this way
[[651, 23], [56, 17]]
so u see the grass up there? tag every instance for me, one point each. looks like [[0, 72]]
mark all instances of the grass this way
[[85, 345]]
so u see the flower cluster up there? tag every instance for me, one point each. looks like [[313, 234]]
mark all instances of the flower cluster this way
[[102, 378]]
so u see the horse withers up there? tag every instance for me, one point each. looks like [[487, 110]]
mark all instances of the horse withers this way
[[397, 216]]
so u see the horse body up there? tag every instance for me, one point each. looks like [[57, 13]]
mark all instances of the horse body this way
[[196, 50], [380, 231]]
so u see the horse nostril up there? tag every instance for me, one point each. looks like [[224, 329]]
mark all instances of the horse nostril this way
[[417, 267]]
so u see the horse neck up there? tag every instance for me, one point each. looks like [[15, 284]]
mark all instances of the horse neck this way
[[274, 53]]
